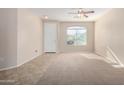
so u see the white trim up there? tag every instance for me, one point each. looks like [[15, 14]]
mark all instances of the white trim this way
[[114, 58], [18, 65], [8, 68]]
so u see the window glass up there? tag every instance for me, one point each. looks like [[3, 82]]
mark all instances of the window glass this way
[[77, 36]]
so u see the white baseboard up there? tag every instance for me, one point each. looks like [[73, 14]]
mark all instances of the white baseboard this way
[[113, 59], [18, 65], [8, 68]]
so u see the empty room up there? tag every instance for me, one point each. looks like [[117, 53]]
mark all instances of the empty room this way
[[62, 46]]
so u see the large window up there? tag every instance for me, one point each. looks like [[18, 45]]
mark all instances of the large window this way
[[77, 36]]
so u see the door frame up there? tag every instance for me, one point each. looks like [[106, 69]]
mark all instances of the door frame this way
[[57, 38]]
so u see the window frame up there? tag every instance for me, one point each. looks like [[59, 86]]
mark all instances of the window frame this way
[[77, 44]]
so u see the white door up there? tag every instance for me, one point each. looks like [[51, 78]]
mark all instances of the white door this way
[[50, 36]]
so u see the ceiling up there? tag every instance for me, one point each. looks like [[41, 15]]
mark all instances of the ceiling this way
[[61, 14]]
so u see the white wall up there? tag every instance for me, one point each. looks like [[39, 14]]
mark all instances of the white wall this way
[[8, 38], [109, 32], [90, 34], [20, 37], [29, 36]]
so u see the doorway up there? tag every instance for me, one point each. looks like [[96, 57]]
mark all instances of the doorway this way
[[50, 37]]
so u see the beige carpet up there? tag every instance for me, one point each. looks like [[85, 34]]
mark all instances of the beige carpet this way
[[67, 69]]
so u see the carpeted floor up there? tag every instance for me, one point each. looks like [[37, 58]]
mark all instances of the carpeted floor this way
[[65, 69]]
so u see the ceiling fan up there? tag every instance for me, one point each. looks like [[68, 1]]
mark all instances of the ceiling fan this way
[[81, 13]]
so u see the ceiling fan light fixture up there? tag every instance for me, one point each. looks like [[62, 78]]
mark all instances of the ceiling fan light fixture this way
[[82, 13], [78, 15], [80, 10], [45, 17]]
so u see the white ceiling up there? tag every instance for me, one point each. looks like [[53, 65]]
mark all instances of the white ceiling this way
[[61, 14]]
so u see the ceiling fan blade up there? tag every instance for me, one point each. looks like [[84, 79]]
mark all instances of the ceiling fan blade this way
[[87, 12], [86, 16]]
